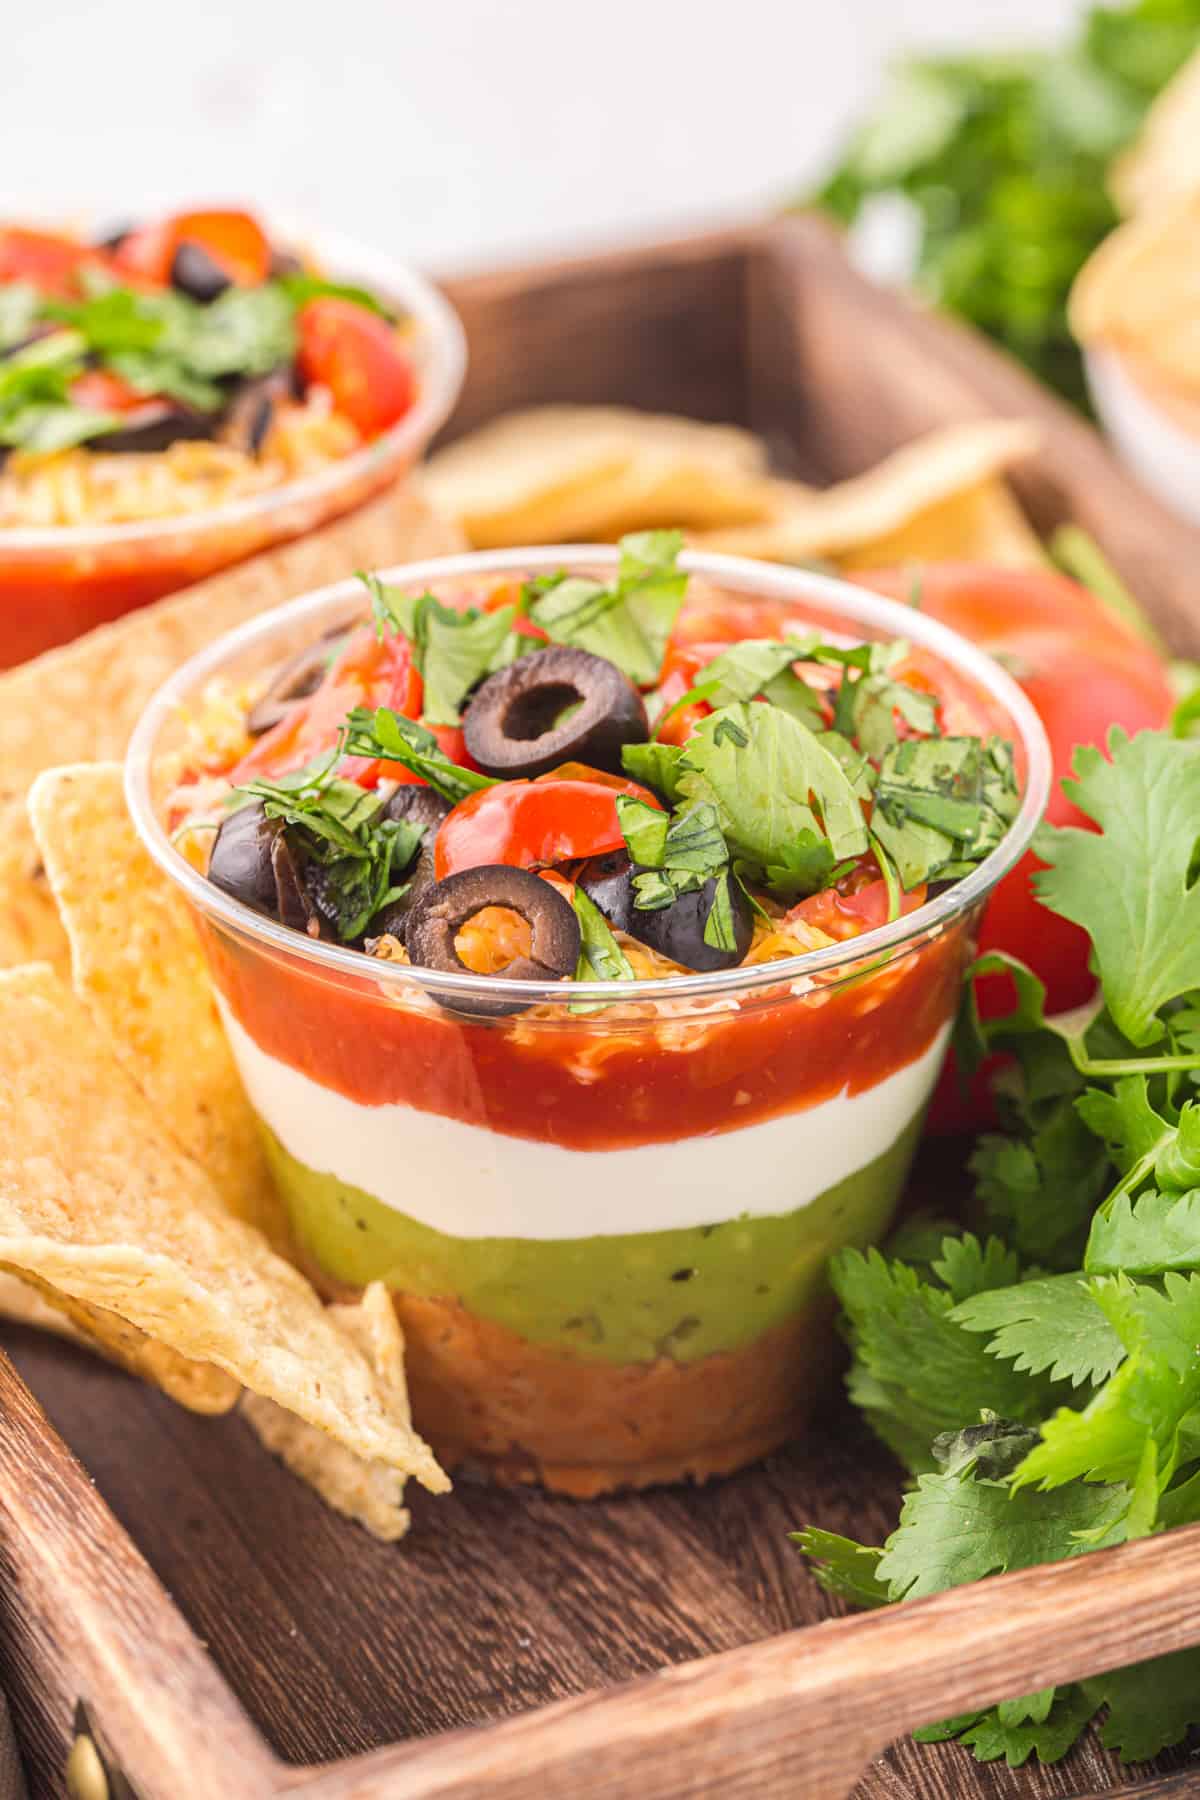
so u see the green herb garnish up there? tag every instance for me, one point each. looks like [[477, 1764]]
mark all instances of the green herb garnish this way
[[341, 828], [389, 735], [1042, 1382], [628, 622], [453, 650]]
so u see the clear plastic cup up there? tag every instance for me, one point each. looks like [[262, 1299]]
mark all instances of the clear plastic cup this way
[[605, 1218], [59, 581]]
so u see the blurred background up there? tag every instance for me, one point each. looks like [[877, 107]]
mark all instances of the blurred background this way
[[465, 132]]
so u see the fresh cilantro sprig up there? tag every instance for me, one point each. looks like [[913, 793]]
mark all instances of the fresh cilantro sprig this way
[[1072, 1331]]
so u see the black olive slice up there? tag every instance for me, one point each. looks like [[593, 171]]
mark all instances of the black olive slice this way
[[155, 426], [514, 725], [197, 274], [420, 806], [251, 413], [241, 863], [438, 918], [294, 680], [677, 930], [608, 881]]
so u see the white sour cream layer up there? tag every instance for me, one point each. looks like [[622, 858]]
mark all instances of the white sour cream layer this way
[[471, 1182]]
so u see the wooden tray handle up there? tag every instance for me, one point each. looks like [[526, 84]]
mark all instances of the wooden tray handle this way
[[804, 1713]]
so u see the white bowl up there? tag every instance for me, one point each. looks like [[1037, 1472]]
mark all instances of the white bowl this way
[[1161, 452]]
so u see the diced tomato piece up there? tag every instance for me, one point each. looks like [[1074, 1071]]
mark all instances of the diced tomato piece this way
[[106, 392], [354, 353], [234, 240], [50, 262], [369, 672], [533, 824], [844, 915]]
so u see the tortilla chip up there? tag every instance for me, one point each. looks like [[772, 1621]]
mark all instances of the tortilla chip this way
[[841, 519], [30, 928], [560, 473], [370, 1493], [1139, 293], [99, 1202], [983, 525], [200, 1386], [137, 964], [1164, 159]]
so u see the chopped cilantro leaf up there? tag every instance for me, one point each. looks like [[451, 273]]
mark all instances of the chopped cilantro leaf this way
[[655, 765], [386, 734], [783, 802], [843, 1567], [1049, 1326], [601, 958], [628, 622]]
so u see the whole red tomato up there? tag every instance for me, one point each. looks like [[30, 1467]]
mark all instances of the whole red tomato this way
[[1085, 670]]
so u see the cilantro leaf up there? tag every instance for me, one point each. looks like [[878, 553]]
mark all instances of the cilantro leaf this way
[[356, 854], [1126, 1122], [1146, 1236], [1050, 1326], [601, 958], [843, 1567], [452, 649], [943, 803], [1151, 1705], [867, 705], [916, 1371], [960, 1527], [629, 622], [765, 773], [655, 765], [389, 735], [20, 304], [1130, 885], [754, 667], [1133, 1422], [993, 1736], [965, 1266]]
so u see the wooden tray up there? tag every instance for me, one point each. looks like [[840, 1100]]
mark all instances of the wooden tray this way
[[228, 1634]]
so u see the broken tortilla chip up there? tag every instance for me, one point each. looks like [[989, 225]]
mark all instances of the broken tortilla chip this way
[[137, 964], [370, 1493], [983, 525], [553, 474], [30, 928], [97, 1201], [851, 515], [199, 1386]]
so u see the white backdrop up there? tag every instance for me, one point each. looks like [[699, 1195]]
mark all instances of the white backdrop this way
[[457, 132]]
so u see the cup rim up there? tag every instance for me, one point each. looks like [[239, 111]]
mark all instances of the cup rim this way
[[442, 374], [859, 606]]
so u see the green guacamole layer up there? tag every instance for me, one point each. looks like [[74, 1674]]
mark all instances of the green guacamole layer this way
[[625, 1299]]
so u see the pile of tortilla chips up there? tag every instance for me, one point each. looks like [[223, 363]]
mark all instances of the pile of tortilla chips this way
[[560, 474], [135, 1206]]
